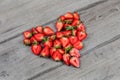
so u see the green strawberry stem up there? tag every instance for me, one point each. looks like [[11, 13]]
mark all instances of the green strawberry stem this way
[[68, 49], [69, 28]]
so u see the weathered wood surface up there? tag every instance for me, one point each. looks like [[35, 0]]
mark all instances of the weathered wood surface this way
[[100, 57]]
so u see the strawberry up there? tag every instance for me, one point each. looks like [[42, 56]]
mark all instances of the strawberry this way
[[78, 45], [74, 52], [57, 56], [81, 35], [36, 48], [61, 51], [59, 34], [74, 61], [59, 25], [75, 22], [39, 36], [52, 50], [33, 40], [52, 37], [65, 25], [66, 59], [81, 27], [26, 41], [47, 42], [45, 52], [74, 32], [34, 31], [73, 39], [39, 29], [57, 43], [48, 31], [76, 15], [62, 18], [68, 15], [64, 41], [27, 34], [68, 48], [67, 33]]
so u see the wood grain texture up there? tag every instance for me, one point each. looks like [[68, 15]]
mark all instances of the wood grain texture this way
[[101, 51]]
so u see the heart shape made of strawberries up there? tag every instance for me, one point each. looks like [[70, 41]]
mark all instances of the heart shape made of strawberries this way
[[64, 45]]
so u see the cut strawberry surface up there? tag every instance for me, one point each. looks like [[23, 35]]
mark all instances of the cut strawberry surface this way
[[45, 52], [74, 61], [27, 34], [39, 29], [36, 48], [48, 31], [64, 41], [39, 36], [59, 25]]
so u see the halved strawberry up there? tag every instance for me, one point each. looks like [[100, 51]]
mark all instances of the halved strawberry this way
[[65, 25], [81, 35], [52, 50], [75, 22], [76, 15], [62, 18], [48, 31], [59, 25], [64, 41], [39, 29], [33, 40], [39, 36], [36, 48], [66, 59], [74, 61], [52, 37], [61, 51], [45, 52], [74, 32], [73, 39], [48, 43], [26, 41], [57, 43], [59, 34], [67, 33], [74, 52], [34, 31], [68, 15], [27, 34], [68, 47], [78, 45], [57, 56], [81, 27]]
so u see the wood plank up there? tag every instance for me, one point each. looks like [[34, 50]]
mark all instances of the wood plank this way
[[31, 13], [16, 60]]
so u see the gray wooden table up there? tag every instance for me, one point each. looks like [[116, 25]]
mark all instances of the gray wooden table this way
[[100, 58]]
